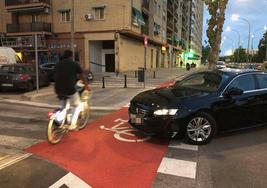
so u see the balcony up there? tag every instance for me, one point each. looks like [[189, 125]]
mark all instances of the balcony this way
[[28, 6], [145, 30], [29, 27]]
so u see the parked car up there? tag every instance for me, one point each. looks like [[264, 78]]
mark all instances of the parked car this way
[[220, 65], [202, 104], [21, 76], [49, 69], [8, 56]]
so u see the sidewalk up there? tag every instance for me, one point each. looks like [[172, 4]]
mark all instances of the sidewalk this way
[[112, 97]]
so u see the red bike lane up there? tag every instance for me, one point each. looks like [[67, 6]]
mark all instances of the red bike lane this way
[[107, 154]]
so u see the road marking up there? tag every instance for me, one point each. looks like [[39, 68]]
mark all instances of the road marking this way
[[4, 157], [71, 181], [177, 167], [124, 132], [17, 142], [179, 145], [17, 159]]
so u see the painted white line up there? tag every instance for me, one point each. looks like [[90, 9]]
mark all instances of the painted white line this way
[[4, 157], [178, 145], [17, 142], [18, 159], [71, 181], [177, 167]]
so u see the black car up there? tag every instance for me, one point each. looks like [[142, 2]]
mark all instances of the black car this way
[[21, 76], [203, 103]]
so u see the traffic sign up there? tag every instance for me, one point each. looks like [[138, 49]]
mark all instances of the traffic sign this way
[[145, 41]]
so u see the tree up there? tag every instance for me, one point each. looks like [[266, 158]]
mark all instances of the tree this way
[[216, 10], [205, 53], [241, 53], [262, 48]]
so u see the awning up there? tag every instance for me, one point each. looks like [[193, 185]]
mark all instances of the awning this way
[[138, 15]]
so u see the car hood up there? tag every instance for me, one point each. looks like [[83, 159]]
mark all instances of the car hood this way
[[168, 96]]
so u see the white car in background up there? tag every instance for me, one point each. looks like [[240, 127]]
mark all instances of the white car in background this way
[[220, 65]]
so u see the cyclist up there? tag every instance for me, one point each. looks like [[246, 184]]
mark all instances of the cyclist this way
[[66, 72]]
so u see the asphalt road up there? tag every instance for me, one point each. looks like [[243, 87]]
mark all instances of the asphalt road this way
[[230, 160]]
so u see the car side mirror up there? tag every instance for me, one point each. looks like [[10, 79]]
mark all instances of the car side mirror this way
[[234, 91]]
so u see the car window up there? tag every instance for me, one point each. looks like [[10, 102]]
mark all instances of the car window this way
[[7, 69], [262, 80], [245, 83], [206, 81]]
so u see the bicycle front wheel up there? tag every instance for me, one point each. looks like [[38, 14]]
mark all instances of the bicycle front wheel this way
[[54, 132], [83, 118]]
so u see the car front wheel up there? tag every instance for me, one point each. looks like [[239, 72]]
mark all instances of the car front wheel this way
[[200, 129]]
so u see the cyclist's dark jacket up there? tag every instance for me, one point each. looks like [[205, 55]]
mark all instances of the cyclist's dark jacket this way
[[66, 76]]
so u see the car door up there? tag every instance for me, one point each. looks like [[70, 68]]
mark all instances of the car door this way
[[240, 111], [261, 95]]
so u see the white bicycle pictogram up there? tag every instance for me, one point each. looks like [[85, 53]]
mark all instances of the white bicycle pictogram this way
[[125, 133]]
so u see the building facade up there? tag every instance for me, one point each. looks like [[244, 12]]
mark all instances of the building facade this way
[[109, 35], [196, 27]]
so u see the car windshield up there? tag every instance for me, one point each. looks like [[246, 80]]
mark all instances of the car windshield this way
[[204, 81], [220, 63]]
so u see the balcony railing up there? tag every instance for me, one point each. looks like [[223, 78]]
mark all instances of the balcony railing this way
[[29, 27], [145, 30], [25, 2]]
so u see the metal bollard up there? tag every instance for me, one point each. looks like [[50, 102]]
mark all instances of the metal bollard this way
[[125, 81], [103, 82], [154, 74]]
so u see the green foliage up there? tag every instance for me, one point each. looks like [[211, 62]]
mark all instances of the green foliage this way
[[216, 10], [241, 52], [262, 48], [205, 53]]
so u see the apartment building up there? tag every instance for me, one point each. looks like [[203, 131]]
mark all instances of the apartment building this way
[[109, 34], [178, 30], [196, 26]]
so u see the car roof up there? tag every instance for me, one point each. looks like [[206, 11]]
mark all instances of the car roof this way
[[238, 71], [18, 64]]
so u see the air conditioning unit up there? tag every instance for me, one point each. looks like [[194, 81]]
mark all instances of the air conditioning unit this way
[[88, 17]]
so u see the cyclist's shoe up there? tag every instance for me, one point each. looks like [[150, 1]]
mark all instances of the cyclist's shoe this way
[[72, 127]]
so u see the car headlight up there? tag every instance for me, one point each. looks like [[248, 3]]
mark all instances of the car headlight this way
[[165, 112]]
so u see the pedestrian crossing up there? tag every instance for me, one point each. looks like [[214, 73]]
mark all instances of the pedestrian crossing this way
[[179, 166]]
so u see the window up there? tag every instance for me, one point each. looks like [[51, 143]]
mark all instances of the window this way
[[206, 81], [159, 10], [262, 80], [246, 83], [99, 13], [35, 18], [65, 16]]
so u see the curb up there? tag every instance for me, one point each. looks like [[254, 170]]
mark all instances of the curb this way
[[45, 105], [25, 119]]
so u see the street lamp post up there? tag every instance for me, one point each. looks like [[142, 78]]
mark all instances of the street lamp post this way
[[232, 42], [236, 17], [72, 30], [239, 37]]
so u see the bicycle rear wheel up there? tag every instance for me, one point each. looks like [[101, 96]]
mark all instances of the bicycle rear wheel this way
[[54, 132]]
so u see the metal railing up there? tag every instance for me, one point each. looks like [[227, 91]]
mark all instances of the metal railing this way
[[29, 27], [23, 2]]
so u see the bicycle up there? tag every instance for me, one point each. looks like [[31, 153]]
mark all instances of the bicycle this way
[[61, 118]]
